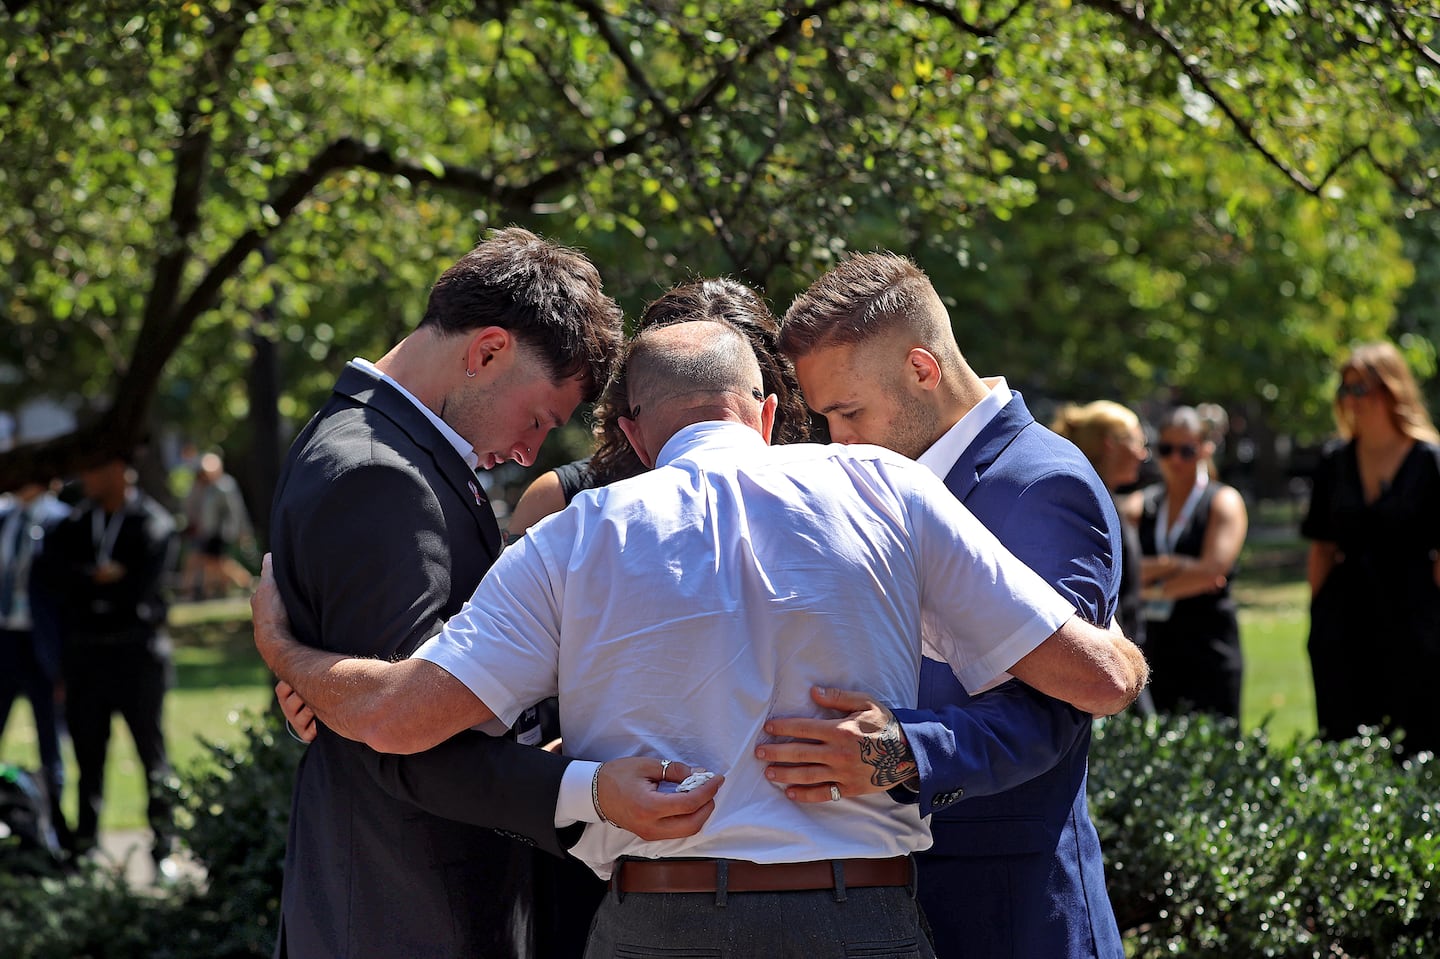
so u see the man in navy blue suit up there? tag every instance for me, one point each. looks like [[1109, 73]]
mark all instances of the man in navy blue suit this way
[[1015, 869]]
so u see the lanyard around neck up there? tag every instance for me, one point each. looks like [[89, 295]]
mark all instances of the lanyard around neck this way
[[1166, 538], [104, 532], [12, 537]]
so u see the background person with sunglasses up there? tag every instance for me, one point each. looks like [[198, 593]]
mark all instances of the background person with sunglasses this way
[[1192, 527], [1374, 523]]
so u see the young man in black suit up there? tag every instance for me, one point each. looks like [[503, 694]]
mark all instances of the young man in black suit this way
[[380, 532]]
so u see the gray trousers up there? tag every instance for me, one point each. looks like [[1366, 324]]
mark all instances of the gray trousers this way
[[876, 923]]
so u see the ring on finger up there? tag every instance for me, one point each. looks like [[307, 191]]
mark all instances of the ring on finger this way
[[664, 768], [834, 793]]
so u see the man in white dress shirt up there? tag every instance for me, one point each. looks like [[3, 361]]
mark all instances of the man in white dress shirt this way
[[677, 610]]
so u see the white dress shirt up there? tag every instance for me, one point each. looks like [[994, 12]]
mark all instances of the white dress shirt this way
[[462, 446], [675, 611]]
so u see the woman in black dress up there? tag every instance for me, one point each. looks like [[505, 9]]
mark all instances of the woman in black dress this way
[[1192, 527], [1374, 523]]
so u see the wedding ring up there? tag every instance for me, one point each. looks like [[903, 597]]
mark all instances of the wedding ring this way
[[834, 793], [664, 768]]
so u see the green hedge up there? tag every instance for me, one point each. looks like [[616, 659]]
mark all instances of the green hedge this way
[[1222, 845], [1218, 845], [234, 808]]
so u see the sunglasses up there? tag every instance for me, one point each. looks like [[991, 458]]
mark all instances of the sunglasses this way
[[1352, 389], [1187, 451]]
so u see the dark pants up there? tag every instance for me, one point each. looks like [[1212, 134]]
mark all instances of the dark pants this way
[[21, 675], [878, 923], [567, 893], [129, 678]]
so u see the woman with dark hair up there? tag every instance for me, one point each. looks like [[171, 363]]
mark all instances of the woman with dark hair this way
[[728, 301], [1192, 528], [1374, 526]]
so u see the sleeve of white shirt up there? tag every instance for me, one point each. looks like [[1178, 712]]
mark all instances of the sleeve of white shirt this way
[[504, 644], [982, 610]]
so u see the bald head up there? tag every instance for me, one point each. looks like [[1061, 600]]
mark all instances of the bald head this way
[[690, 373]]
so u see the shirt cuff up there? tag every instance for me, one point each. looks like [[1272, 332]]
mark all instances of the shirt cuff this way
[[574, 804]]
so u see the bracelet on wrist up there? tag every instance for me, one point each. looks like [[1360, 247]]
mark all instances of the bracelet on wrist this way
[[595, 793]]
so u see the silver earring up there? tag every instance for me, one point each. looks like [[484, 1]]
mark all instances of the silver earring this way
[[470, 373]]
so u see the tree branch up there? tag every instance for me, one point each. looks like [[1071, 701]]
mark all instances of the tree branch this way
[[952, 16], [1410, 39], [129, 406], [1137, 20], [621, 52], [573, 167]]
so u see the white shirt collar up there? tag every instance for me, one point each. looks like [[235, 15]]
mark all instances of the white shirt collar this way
[[466, 451], [945, 452], [709, 435]]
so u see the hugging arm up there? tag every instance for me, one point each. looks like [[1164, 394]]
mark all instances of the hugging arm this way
[[401, 707], [1097, 671], [469, 777], [1060, 526]]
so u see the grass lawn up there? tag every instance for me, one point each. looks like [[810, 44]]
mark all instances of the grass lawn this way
[[219, 676], [1277, 693], [1274, 602]]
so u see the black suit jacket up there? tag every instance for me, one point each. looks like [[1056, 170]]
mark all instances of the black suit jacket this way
[[380, 533]]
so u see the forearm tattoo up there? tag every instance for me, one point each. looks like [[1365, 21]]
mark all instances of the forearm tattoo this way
[[889, 754]]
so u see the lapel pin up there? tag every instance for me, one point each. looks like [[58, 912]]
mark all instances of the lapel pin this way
[[479, 497]]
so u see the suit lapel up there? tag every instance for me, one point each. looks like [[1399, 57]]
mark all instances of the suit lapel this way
[[986, 448], [364, 387]]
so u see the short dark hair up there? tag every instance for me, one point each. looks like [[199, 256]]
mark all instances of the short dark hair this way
[[866, 294], [728, 301], [548, 296]]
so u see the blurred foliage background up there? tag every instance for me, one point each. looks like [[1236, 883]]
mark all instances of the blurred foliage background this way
[[205, 209]]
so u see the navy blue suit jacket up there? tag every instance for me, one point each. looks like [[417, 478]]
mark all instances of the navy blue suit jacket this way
[[1016, 869]]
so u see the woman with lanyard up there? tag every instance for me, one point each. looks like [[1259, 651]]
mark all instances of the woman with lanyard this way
[[1191, 530]]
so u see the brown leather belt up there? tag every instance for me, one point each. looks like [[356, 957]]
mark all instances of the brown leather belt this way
[[739, 875]]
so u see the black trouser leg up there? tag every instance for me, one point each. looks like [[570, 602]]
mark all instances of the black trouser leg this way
[[142, 707], [87, 712]]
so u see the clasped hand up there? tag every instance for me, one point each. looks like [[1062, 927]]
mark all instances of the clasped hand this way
[[865, 752]]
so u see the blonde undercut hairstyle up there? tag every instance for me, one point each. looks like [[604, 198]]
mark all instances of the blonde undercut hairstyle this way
[[866, 295]]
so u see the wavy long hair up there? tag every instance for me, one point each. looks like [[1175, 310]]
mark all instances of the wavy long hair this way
[[1382, 365], [728, 301]]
